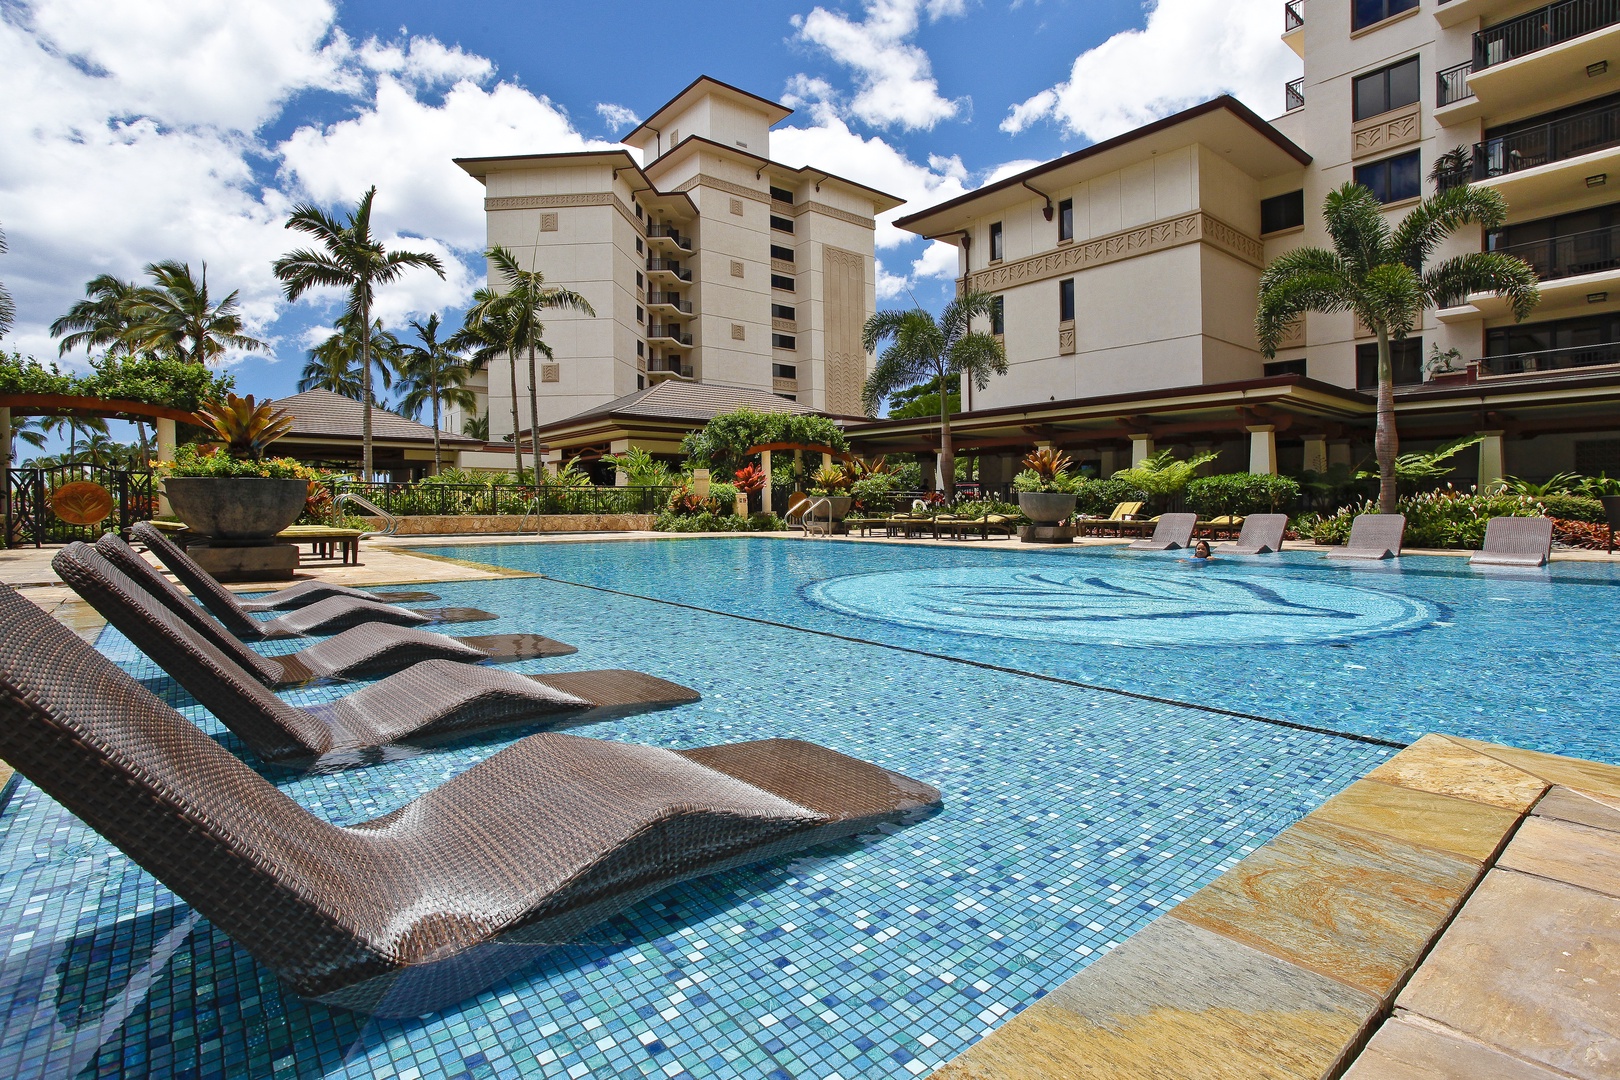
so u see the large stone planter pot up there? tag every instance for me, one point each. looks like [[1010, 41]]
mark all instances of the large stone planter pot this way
[[1046, 507], [837, 506], [236, 509]]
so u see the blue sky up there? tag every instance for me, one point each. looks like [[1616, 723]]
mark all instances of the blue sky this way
[[186, 129]]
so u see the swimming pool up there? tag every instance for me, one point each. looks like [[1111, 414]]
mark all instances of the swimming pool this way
[[1073, 814]]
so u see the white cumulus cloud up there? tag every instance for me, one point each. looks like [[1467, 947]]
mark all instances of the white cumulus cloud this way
[[895, 81], [1189, 51], [616, 116]]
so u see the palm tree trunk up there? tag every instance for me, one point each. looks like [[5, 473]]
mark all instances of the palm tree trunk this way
[[365, 392], [433, 391], [517, 451], [1385, 442], [534, 426], [947, 454]]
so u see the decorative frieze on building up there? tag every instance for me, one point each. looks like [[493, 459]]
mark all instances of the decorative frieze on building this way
[[1194, 228], [1066, 339], [810, 206], [844, 283], [1386, 132]]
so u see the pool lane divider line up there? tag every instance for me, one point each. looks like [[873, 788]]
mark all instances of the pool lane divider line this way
[[1371, 740]]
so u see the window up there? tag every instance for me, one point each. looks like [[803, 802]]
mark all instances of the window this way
[[1066, 300], [997, 248], [779, 281], [784, 341], [1367, 12], [1289, 367], [784, 371], [639, 246], [641, 382], [998, 318], [1385, 89], [782, 195], [782, 311], [1066, 220], [641, 348], [780, 252], [1282, 212], [788, 397], [1585, 332], [781, 224], [640, 315], [1393, 179], [638, 211], [640, 281], [1405, 361]]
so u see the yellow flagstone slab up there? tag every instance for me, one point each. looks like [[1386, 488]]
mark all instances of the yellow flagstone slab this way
[[1575, 854], [1571, 772], [1448, 768], [1460, 826], [1358, 906]]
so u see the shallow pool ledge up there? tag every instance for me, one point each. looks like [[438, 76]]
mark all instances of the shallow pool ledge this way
[[1455, 913]]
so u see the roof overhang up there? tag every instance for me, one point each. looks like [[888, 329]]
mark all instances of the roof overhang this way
[[481, 168], [881, 200], [706, 86]]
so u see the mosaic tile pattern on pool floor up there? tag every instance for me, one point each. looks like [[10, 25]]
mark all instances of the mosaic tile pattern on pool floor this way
[[1072, 818]]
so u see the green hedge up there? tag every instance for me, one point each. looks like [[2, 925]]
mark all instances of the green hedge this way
[[176, 384], [1574, 508], [1434, 519], [1097, 498], [1241, 493], [707, 522]]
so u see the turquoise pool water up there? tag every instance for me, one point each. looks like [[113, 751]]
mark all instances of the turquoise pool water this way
[[1074, 814]]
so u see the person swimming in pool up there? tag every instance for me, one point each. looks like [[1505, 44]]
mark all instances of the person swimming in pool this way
[[1201, 550]]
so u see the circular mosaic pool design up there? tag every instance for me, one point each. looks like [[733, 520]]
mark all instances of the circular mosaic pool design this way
[[1151, 603]]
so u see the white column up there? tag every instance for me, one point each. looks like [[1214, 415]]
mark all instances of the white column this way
[[553, 461], [1263, 449], [165, 451], [1316, 453], [765, 492], [1110, 461], [620, 446], [1141, 449], [1339, 453], [1491, 468]]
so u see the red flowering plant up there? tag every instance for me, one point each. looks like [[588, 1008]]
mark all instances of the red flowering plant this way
[[750, 478]]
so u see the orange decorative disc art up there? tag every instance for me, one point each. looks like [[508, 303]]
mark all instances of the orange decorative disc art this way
[[82, 503]]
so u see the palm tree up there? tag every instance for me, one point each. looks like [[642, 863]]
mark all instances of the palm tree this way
[[433, 373], [525, 297], [486, 333], [175, 317], [1379, 274], [334, 364], [75, 426], [476, 427], [104, 318], [8, 308], [354, 260], [925, 349]]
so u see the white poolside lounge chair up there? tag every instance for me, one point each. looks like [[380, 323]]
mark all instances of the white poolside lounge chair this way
[[1262, 535], [1515, 541], [1373, 536], [1171, 532]]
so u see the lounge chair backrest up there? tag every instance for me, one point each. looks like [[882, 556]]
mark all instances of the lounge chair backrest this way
[[265, 871], [158, 588], [1377, 532], [271, 727], [1177, 528], [1263, 530], [214, 596], [1125, 510], [1518, 536]]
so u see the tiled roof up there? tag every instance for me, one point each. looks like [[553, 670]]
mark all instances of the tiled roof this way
[[675, 399], [321, 414]]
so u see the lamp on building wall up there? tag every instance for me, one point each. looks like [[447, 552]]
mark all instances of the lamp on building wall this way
[[1596, 297], [1599, 68], [1597, 179]]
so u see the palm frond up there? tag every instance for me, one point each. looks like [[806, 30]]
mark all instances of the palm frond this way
[[1355, 220], [1442, 214], [1507, 276]]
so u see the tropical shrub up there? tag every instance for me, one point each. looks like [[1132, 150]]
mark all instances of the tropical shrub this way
[[1574, 508], [1241, 494], [829, 480], [1163, 474], [153, 380], [712, 522], [721, 445], [1434, 519], [640, 467], [244, 429], [1097, 498], [25, 375], [190, 461], [1046, 469], [874, 489]]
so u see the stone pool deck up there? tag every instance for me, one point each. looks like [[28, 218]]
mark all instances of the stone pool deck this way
[[1454, 914]]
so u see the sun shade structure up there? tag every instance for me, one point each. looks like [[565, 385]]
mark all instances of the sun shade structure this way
[[431, 700], [1172, 531], [417, 909], [1262, 534], [1373, 536], [326, 616], [363, 651], [1515, 541]]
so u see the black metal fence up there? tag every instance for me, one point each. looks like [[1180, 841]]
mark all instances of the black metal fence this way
[[1583, 133], [1452, 84], [405, 500], [1567, 256], [1542, 29], [1294, 94], [1530, 363], [30, 521]]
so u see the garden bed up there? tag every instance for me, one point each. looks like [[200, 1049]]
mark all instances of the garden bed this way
[[469, 524]]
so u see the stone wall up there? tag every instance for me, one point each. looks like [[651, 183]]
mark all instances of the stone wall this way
[[467, 524]]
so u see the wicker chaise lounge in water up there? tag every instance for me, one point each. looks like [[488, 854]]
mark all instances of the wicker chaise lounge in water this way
[[326, 616], [415, 910], [1262, 534], [433, 700], [1373, 536], [1515, 541], [1171, 532], [362, 651]]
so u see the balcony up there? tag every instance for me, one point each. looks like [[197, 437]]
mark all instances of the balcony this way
[[667, 269], [1572, 269], [1572, 361], [661, 369], [667, 236], [1294, 26], [669, 334], [1558, 160], [1294, 94], [669, 301], [1551, 52]]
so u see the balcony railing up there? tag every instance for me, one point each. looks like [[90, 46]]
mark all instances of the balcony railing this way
[[1588, 252], [672, 367], [666, 332], [1452, 84], [669, 266], [1542, 29], [664, 232], [1543, 144], [669, 299], [1293, 15], [1532, 363], [1294, 94]]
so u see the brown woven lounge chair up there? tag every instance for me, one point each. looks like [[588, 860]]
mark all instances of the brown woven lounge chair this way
[[432, 700], [1373, 536], [1515, 541], [417, 909], [128, 598], [327, 616], [1262, 534], [1171, 532]]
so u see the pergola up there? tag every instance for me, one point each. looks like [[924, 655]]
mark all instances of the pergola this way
[[764, 450]]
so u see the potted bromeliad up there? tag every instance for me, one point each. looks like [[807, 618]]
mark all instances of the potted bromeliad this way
[[1046, 488], [229, 490], [832, 483]]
